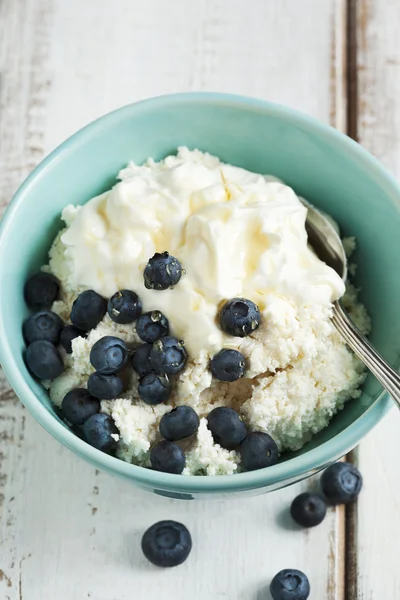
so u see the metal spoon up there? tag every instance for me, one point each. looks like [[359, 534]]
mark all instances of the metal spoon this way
[[327, 245]]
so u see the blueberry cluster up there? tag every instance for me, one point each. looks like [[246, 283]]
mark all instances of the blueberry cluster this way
[[160, 356], [155, 360], [238, 317], [341, 483], [257, 449], [180, 423], [42, 330]]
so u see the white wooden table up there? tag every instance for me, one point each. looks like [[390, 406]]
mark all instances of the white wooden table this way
[[66, 531]]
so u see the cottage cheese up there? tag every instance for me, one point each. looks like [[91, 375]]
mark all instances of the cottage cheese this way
[[237, 234]]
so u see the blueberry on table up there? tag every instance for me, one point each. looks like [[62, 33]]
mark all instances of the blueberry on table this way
[[258, 451], [44, 360], [290, 584], [43, 325], [167, 457], [180, 423], [109, 355], [88, 310], [98, 431], [227, 428], [151, 326], [141, 362], [162, 271], [168, 355], [124, 307], [78, 405], [239, 317], [154, 388], [308, 509], [228, 365], [41, 290], [341, 483], [167, 544], [69, 333], [105, 387]]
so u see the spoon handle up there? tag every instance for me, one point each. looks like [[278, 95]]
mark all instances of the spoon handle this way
[[384, 373]]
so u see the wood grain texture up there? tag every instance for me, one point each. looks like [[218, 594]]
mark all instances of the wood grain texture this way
[[68, 532], [378, 523]]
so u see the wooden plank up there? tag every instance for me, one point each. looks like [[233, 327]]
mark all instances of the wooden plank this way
[[378, 523], [68, 532]]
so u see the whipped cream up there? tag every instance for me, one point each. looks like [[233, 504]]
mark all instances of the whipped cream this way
[[236, 234]]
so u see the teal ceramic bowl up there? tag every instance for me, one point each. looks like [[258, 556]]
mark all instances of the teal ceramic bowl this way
[[326, 167]]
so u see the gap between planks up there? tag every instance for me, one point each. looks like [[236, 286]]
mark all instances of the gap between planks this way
[[344, 116], [352, 97]]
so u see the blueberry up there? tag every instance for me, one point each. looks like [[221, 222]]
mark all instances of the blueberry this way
[[227, 429], [239, 317], [162, 271], [228, 365], [154, 389], [290, 584], [151, 326], [68, 334], [105, 387], [43, 325], [141, 362], [168, 355], [308, 510], [257, 451], [88, 310], [109, 355], [167, 544], [78, 405], [341, 483], [98, 431], [167, 457], [124, 307], [180, 423], [41, 290], [44, 360]]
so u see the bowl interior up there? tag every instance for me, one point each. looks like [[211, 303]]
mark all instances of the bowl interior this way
[[314, 160]]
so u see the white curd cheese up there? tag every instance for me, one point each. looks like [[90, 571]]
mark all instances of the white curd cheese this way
[[237, 234]]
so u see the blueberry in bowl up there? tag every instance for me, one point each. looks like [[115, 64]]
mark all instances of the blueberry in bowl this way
[[154, 388], [109, 355], [140, 360], [240, 317], [88, 310], [43, 325], [41, 290], [124, 307], [43, 360], [151, 326], [78, 405], [168, 355], [163, 271], [67, 335]]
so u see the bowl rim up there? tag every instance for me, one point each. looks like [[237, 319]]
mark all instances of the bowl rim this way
[[287, 471]]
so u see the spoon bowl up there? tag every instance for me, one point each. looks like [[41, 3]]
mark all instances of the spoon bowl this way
[[324, 238], [326, 243]]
